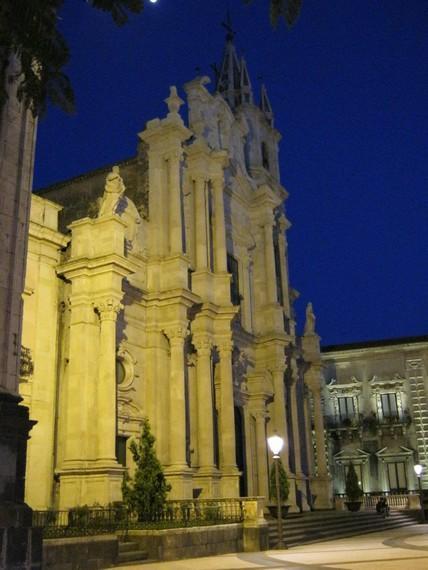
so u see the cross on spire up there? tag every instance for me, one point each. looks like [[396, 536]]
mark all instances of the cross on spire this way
[[227, 25]]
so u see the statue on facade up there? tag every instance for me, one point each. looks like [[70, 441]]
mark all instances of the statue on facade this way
[[113, 192], [310, 320]]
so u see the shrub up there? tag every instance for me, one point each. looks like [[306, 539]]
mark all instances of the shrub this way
[[284, 487]]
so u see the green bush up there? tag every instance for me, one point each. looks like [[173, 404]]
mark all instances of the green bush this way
[[352, 488], [284, 487]]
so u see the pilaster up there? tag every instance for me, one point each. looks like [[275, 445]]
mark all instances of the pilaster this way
[[177, 472], [229, 471], [207, 476]]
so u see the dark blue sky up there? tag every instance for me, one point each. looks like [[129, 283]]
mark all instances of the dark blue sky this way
[[349, 88]]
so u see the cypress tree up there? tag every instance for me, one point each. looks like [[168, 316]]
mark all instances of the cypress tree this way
[[145, 494], [352, 488]]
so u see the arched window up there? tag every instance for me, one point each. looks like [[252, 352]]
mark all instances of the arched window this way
[[265, 156]]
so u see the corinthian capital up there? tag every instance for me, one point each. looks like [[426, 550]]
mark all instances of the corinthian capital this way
[[225, 347], [177, 334], [108, 308], [203, 345]]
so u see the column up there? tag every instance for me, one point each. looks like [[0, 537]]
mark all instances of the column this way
[[177, 404], [281, 427], [174, 204], [262, 462], [295, 421], [283, 225], [300, 477], [319, 431], [308, 431], [229, 471], [271, 296], [106, 413], [204, 405], [200, 224], [279, 418], [246, 288], [220, 254]]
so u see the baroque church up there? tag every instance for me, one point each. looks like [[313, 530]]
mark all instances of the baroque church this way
[[159, 287]]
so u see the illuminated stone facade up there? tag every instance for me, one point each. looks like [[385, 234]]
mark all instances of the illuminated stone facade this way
[[164, 291], [376, 406]]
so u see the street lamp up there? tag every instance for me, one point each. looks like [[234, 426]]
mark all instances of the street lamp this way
[[418, 470], [276, 443]]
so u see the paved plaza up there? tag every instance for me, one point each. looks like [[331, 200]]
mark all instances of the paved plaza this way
[[400, 549]]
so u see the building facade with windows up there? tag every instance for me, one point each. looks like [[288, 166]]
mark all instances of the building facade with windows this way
[[376, 412], [159, 287]]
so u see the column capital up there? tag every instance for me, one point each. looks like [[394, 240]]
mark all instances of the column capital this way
[[174, 154], [277, 368], [267, 219], [260, 415], [108, 308], [203, 345], [283, 223], [176, 335], [224, 347], [199, 177], [218, 182]]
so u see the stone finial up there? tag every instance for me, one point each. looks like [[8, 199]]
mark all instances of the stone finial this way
[[113, 192], [173, 102], [310, 320]]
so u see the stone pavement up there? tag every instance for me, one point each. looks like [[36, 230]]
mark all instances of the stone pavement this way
[[398, 549]]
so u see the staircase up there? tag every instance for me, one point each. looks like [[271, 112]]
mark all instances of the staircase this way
[[130, 552], [319, 526]]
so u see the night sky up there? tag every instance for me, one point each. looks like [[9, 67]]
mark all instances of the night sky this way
[[349, 88]]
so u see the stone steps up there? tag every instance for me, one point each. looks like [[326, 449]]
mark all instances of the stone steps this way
[[130, 552], [328, 525]]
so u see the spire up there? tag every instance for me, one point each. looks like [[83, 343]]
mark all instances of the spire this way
[[245, 84], [265, 105], [233, 81]]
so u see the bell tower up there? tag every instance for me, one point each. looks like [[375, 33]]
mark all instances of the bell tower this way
[[233, 83]]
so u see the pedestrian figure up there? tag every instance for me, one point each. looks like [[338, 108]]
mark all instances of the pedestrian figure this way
[[382, 507]]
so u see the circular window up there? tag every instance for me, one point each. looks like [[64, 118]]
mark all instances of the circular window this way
[[120, 371]]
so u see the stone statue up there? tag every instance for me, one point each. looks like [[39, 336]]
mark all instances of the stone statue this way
[[310, 320], [113, 192]]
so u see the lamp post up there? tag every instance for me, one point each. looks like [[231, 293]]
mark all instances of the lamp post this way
[[276, 443], [418, 470]]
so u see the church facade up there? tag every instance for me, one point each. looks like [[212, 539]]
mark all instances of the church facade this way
[[159, 287]]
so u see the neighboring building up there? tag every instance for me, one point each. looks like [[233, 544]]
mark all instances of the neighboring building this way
[[17, 139], [376, 411], [162, 290]]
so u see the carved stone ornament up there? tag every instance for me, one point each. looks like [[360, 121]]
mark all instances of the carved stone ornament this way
[[113, 191], [126, 375], [108, 309], [387, 384], [174, 102], [310, 320], [26, 364]]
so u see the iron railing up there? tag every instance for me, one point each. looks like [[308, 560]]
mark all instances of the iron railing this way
[[84, 521]]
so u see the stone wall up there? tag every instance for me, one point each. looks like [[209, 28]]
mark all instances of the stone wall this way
[[174, 544], [83, 553]]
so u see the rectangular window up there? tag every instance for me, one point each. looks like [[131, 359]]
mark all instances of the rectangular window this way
[[397, 476], [346, 407], [210, 237], [232, 268], [121, 449], [389, 405], [278, 274]]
